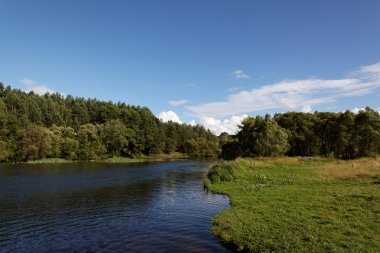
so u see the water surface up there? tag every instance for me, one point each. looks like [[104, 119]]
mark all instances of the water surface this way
[[98, 207]]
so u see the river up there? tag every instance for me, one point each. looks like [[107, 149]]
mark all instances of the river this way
[[100, 207]]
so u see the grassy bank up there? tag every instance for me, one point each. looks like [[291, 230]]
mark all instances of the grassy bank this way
[[152, 158], [299, 205], [50, 160], [117, 159]]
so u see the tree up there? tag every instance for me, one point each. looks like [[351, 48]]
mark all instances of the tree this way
[[299, 127], [201, 147], [4, 153], [343, 145], [324, 130], [34, 143], [115, 137], [90, 145], [262, 137], [367, 132], [231, 150], [69, 144]]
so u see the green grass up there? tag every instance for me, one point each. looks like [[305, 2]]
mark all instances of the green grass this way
[[299, 205], [50, 160], [151, 158], [117, 159]]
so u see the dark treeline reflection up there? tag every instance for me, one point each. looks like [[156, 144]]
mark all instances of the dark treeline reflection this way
[[53, 126], [49, 204]]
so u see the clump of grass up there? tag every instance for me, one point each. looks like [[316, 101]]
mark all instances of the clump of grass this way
[[222, 172]]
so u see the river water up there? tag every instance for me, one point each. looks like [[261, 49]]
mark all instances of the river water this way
[[100, 207]]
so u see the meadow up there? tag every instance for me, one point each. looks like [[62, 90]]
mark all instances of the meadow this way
[[298, 204]]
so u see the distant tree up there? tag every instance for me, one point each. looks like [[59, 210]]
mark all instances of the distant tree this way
[[343, 145], [367, 132], [201, 147], [69, 144], [262, 137], [324, 130], [299, 127], [3, 120], [4, 153], [231, 150], [115, 137], [224, 138], [90, 145], [34, 143]]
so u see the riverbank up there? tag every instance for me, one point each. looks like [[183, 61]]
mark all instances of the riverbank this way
[[117, 159], [299, 205]]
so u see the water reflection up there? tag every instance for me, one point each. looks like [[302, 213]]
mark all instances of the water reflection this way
[[94, 207]]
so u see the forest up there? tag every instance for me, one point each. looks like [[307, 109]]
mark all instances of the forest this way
[[342, 135], [34, 127]]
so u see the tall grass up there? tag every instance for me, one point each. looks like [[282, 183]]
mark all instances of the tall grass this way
[[220, 173], [365, 167]]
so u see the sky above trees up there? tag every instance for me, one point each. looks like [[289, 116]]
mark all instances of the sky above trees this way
[[209, 62]]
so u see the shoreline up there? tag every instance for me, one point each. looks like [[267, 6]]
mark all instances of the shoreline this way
[[153, 158]]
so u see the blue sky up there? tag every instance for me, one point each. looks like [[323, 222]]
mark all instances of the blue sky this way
[[208, 62]]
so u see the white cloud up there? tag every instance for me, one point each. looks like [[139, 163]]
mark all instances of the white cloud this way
[[178, 102], [192, 123], [218, 126], [28, 82], [169, 116], [239, 74], [357, 110], [306, 108], [36, 87], [293, 94]]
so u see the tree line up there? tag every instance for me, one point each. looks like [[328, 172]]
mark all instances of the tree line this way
[[342, 135], [56, 126]]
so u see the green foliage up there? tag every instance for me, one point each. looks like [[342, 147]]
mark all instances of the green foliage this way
[[201, 147], [223, 172], [33, 143], [90, 144], [52, 126], [299, 128], [367, 133], [341, 135], [115, 137], [4, 153], [231, 150], [262, 137], [34, 127]]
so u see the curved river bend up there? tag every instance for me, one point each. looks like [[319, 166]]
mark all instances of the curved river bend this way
[[99, 207]]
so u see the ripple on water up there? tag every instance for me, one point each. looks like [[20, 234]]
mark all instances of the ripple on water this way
[[158, 207]]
